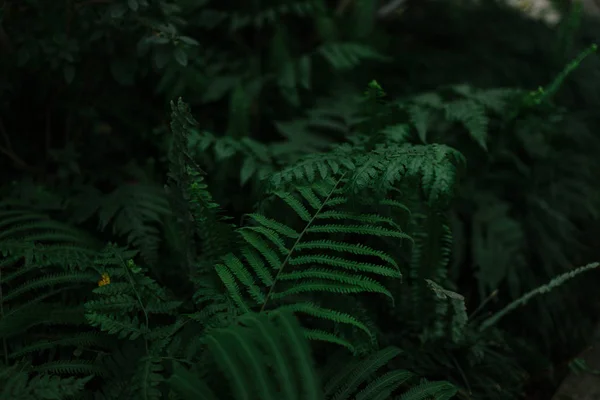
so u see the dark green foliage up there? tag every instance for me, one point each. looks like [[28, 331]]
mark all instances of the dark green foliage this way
[[263, 357], [301, 236]]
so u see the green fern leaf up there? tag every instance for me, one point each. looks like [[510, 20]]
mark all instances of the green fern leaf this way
[[345, 384], [147, 379], [472, 115], [264, 357], [431, 390], [281, 263], [344, 56]]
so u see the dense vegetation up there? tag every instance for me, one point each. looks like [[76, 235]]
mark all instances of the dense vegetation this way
[[289, 200]]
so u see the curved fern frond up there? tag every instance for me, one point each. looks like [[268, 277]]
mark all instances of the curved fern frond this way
[[147, 378], [358, 379], [439, 390], [40, 260], [71, 367], [434, 167], [16, 384], [554, 283], [77, 340], [41, 241], [473, 116], [136, 211], [345, 384], [332, 118], [343, 56], [280, 264], [124, 306], [471, 110], [264, 357]]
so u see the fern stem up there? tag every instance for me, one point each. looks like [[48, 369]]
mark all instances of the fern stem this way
[[462, 375], [483, 304], [139, 299], [559, 280], [289, 255]]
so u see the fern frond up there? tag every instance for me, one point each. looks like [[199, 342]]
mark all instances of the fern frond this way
[[544, 94], [440, 390], [147, 378], [71, 367], [499, 245], [433, 166], [191, 197], [471, 109], [16, 385], [473, 116], [19, 318], [77, 340], [346, 382], [279, 262], [124, 327], [421, 118], [496, 100], [136, 211], [50, 280], [344, 56], [557, 281], [429, 260], [189, 387], [42, 241], [266, 357], [332, 118], [382, 387], [127, 302]]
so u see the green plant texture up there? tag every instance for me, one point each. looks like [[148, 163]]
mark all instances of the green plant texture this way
[[295, 200]]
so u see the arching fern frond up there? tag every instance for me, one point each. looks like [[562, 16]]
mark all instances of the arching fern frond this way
[[345, 55], [40, 260], [439, 390], [15, 384], [281, 265], [554, 283], [361, 379], [134, 307], [331, 119], [473, 116], [38, 239], [148, 376], [469, 107], [498, 246], [77, 340], [345, 384], [434, 167], [136, 211], [123, 306], [264, 357]]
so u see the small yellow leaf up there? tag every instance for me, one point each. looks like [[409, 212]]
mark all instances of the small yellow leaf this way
[[105, 280]]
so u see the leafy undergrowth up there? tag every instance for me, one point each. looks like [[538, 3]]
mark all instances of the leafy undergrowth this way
[[299, 237]]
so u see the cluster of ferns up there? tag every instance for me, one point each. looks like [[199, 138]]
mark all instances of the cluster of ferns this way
[[336, 286]]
